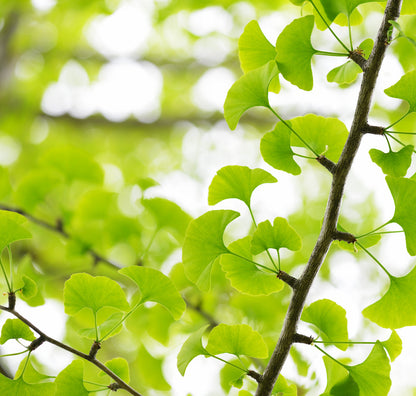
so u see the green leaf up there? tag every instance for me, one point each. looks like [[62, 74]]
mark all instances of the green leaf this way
[[235, 181], [12, 228], [157, 287], [408, 7], [5, 186], [393, 163], [373, 375], [244, 275], [324, 135], [405, 89], [19, 387], [280, 235], [191, 348], [254, 50], [103, 328], [396, 308], [404, 195], [346, 387], [393, 345], [29, 289], [334, 7], [14, 329], [238, 340], [276, 151], [231, 376], [29, 373], [168, 215], [120, 367], [149, 371], [282, 388], [85, 291], [204, 244], [249, 91], [70, 381], [295, 51], [330, 319], [336, 375]]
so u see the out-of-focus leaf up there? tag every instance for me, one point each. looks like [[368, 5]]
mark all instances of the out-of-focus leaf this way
[[14, 329]]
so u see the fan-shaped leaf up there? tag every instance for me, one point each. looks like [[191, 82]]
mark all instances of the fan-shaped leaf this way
[[396, 308], [70, 381], [282, 388], [393, 345], [12, 228], [249, 91], [204, 244], [120, 367], [29, 289], [334, 7], [237, 340], [104, 328], [295, 51], [236, 181], [157, 287], [330, 319], [405, 89], [393, 163], [276, 151], [244, 274], [280, 235], [404, 195], [150, 371], [13, 329], [85, 291], [18, 387]]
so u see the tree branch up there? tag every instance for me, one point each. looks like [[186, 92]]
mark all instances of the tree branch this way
[[328, 229]]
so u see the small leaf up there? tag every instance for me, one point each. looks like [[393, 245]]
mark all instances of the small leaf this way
[[204, 244], [236, 181], [335, 7], [103, 328], [12, 228], [70, 381], [249, 91], [393, 163], [19, 387], [254, 50], [276, 151], [405, 89], [280, 235], [120, 367], [29, 289], [244, 274], [396, 308], [29, 373], [282, 388], [14, 329], [393, 345], [336, 375], [157, 287], [191, 348], [85, 291], [295, 51], [330, 319], [404, 195], [231, 376], [238, 340]]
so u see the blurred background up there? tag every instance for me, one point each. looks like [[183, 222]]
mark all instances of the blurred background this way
[[111, 129]]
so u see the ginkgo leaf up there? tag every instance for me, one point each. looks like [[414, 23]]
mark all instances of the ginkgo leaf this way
[[120, 367], [235, 181], [325, 135], [282, 388], [336, 374], [254, 50], [280, 235], [244, 275], [396, 308], [330, 319], [29, 373], [276, 151], [19, 387], [104, 328], [334, 7], [405, 89], [373, 375], [231, 376], [348, 72], [404, 195], [204, 244], [70, 381], [238, 340], [393, 345], [85, 291], [157, 287], [393, 163], [14, 329], [12, 228], [295, 51], [29, 288], [191, 348], [149, 371], [249, 91]]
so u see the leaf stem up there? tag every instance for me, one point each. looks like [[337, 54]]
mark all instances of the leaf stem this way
[[15, 354], [252, 216], [297, 135], [253, 262], [396, 122], [375, 259], [231, 364], [330, 53], [327, 354], [5, 275], [397, 140], [402, 133], [345, 342], [9, 251], [349, 32], [373, 231], [388, 142], [304, 156]]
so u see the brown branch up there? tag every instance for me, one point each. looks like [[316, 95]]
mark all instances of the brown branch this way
[[327, 163], [374, 130], [358, 58], [344, 236], [302, 339], [328, 229], [254, 374], [289, 279]]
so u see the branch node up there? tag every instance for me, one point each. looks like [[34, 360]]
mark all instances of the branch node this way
[[96, 346], [344, 236], [358, 58], [37, 343], [114, 387], [372, 129], [327, 163], [12, 300], [254, 374], [285, 277], [302, 339]]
